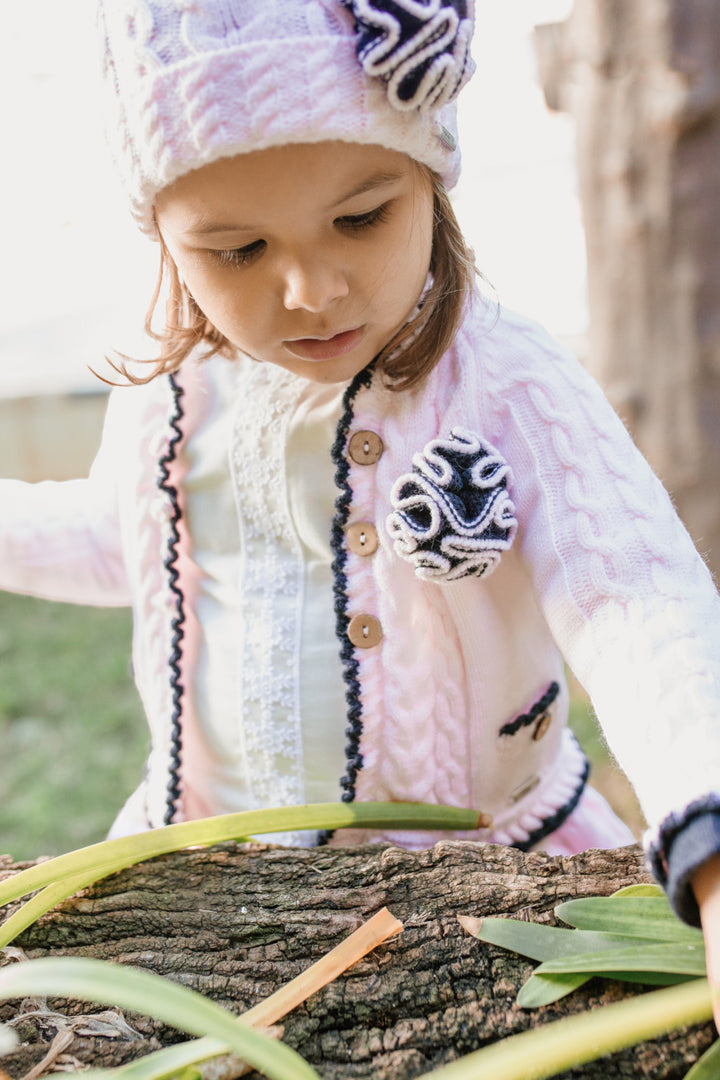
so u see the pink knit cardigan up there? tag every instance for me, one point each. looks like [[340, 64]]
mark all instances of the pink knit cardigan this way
[[517, 527]]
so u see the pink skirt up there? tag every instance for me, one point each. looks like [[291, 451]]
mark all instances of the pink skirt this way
[[592, 824]]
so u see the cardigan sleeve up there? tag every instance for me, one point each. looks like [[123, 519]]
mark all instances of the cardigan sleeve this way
[[628, 599], [696, 842], [62, 540]]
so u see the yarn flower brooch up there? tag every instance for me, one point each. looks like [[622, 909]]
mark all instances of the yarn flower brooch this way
[[420, 48], [452, 515]]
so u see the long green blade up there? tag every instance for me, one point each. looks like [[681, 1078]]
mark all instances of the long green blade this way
[[151, 995], [43, 901], [644, 889], [636, 916], [542, 988], [648, 978], [667, 957], [548, 1050], [128, 850], [540, 942], [162, 1063], [545, 989]]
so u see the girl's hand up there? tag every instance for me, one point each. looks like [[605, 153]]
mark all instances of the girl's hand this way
[[706, 886]]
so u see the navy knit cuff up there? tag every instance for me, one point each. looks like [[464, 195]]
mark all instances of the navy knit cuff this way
[[691, 846]]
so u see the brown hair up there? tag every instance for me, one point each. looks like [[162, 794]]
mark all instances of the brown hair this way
[[406, 359]]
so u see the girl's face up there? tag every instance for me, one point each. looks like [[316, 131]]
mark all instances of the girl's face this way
[[310, 256]]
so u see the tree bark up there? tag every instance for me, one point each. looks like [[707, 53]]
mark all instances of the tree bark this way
[[235, 922], [642, 80]]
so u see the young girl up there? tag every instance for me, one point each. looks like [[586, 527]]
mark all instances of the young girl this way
[[363, 515]]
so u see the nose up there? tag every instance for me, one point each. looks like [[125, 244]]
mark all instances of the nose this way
[[314, 284]]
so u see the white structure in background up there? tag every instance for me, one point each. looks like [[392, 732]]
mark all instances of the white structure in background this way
[[75, 275]]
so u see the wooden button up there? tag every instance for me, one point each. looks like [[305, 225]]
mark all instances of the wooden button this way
[[365, 631], [362, 538], [524, 789], [365, 447], [541, 727]]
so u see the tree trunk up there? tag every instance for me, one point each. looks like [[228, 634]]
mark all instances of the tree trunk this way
[[642, 80], [235, 922]]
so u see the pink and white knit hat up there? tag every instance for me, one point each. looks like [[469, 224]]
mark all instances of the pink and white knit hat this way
[[191, 81]]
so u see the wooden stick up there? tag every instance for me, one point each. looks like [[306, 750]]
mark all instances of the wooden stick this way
[[266, 1013], [367, 937]]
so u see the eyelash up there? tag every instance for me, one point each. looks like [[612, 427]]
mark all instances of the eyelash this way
[[364, 221], [239, 256], [350, 223]]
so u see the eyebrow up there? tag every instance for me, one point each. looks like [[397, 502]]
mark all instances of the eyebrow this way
[[375, 181], [203, 227]]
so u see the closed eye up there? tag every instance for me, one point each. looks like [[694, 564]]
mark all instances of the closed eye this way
[[239, 256], [367, 220]]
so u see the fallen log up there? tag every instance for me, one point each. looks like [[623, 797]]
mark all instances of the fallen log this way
[[237, 921]]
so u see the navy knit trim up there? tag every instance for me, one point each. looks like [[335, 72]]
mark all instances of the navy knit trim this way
[[338, 544], [178, 621], [659, 850], [532, 714], [557, 819]]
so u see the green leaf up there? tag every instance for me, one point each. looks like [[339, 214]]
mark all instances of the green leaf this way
[[552, 1048], [572, 957], [43, 901], [708, 1066], [646, 917], [541, 990], [666, 957], [647, 978], [167, 1062], [68, 873], [151, 995], [127, 850], [639, 890], [541, 942]]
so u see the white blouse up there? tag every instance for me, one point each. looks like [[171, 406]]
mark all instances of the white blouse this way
[[259, 499]]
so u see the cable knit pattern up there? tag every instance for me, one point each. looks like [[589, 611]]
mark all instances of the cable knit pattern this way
[[189, 83], [271, 591], [626, 595], [426, 751], [601, 571], [413, 747]]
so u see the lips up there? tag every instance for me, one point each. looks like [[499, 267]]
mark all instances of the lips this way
[[325, 348]]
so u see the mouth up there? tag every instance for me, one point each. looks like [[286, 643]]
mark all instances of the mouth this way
[[328, 348]]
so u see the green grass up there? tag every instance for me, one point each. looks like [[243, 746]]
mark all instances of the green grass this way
[[72, 729], [74, 737]]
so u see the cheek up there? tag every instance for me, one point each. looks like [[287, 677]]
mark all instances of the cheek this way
[[409, 266], [221, 297]]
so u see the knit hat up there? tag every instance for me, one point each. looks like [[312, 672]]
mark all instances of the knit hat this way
[[191, 81]]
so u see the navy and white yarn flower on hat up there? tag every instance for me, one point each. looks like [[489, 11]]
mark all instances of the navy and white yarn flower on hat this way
[[453, 516], [420, 48]]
